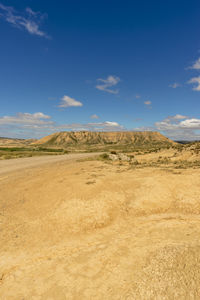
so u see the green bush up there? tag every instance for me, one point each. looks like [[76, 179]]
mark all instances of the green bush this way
[[104, 156]]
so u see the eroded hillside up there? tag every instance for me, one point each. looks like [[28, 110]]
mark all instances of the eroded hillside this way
[[99, 139]]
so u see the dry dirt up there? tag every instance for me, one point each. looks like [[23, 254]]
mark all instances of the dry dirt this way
[[96, 230], [8, 166]]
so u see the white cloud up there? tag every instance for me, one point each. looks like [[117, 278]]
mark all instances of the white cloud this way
[[29, 20], [31, 12], [40, 115], [112, 124], [144, 128], [196, 65], [177, 128], [67, 101], [26, 125], [178, 117], [197, 81], [99, 126], [105, 126], [26, 118], [94, 116], [106, 84], [175, 118], [147, 102], [175, 85], [190, 124], [36, 125], [137, 96]]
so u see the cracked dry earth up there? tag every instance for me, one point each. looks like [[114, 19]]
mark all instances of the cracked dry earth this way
[[91, 230]]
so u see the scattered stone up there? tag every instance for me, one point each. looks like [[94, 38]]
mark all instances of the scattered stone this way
[[119, 156]]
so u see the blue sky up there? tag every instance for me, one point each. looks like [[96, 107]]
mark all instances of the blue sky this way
[[99, 65]]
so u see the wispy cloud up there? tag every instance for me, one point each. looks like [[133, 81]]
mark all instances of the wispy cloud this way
[[67, 101], [106, 84], [137, 96], [26, 125], [196, 65], [175, 85], [176, 117], [148, 102], [94, 116], [144, 128], [26, 118], [99, 126], [28, 20], [196, 82]]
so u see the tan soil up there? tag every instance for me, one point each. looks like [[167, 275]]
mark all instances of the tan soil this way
[[7, 166], [93, 230]]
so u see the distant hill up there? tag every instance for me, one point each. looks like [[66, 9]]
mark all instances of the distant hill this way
[[90, 138], [11, 142], [184, 142]]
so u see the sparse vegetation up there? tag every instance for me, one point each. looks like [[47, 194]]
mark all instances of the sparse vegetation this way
[[113, 152], [104, 156], [18, 152]]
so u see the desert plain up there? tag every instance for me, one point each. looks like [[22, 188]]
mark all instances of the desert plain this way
[[90, 228]]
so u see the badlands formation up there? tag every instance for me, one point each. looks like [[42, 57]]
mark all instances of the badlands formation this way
[[91, 228], [89, 138]]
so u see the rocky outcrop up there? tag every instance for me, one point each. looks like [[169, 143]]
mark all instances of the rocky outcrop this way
[[119, 156]]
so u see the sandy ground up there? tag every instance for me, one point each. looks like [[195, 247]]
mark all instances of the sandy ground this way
[[94, 230], [8, 166]]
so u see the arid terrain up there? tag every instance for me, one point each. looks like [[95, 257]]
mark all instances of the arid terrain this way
[[82, 141], [97, 228], [99, 150]]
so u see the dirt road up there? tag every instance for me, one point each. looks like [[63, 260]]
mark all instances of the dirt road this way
[[12, 165]]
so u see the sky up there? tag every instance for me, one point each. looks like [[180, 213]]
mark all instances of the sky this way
[[101, 66]]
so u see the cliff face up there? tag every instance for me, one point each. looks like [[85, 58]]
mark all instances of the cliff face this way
[[63, 139]]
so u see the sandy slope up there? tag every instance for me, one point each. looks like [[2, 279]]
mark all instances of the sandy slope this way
[[90, 230]]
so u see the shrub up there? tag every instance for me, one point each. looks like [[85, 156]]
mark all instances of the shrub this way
[[113, 152], [104, 156]]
